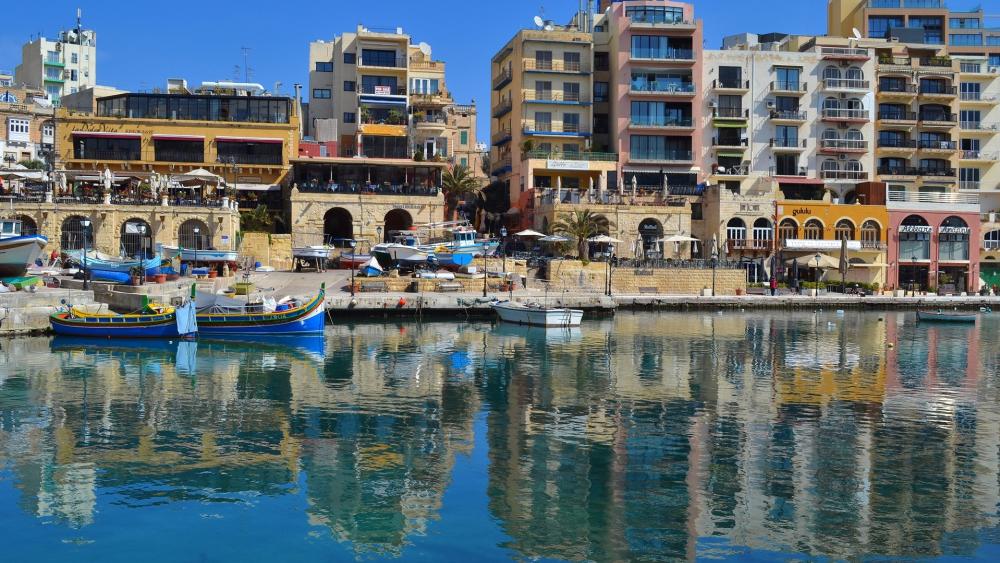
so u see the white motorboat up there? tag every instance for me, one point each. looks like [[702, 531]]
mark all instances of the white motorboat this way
[[17, 251], [315, 252], [537, 315]]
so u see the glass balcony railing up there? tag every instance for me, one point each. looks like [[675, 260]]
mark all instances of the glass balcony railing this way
[[661, 121], [645, 87], [663, 54]]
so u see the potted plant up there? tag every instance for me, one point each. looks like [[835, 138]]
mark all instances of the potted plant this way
[[418, 154], [135, 275]]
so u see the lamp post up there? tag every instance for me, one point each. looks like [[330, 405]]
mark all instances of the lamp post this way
[[503, 249], [913, 281], [611, 254], [353, 244], [229, 163], [715, 261], [378, 233], [85, 223], [197, 239]]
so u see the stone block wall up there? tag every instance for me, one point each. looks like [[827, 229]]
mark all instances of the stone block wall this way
[[268, 249], [567, 275]]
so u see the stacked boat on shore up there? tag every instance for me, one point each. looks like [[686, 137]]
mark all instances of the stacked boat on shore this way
[[17, 251]]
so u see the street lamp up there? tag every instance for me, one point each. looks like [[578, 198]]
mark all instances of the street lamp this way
[[913, 272], [611, 253], [503, 249], [818, 257], [378, 232], [353, 243], [196, 230], [85, 223], [715, 261]]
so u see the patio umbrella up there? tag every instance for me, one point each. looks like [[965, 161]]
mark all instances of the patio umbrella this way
[[529, 234], [678, 238], [604, 239], [635, 185], [554, 238], [844, 263], [198, 176], [826, 262]]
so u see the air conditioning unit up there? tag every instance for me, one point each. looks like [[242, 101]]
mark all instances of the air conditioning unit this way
[[843, 96], [995, 70], [770, 104], [893, 40], [842, 157], [711, 104], [845, 63]]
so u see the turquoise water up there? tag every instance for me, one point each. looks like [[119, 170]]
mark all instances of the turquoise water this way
[[644, 437]]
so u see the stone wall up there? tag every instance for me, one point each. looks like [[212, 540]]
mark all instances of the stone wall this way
[[570, 275], [357, 216], [270, 250]]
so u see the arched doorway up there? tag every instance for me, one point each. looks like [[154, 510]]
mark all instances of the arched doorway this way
[[953, 246], [338, 227], [914, 252], [844, 230], [136, 238], [763, 234], [74, 236], [396, 220], [194, 234], [871, 234], [787, 229], [28, 225], [651, 231]]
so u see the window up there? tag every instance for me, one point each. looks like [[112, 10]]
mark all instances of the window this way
[[464, 162], [933, 27], [321, 94], [349, 58], [543, 60], [786, 104], [788, 78], [601, 61], [424, 85], [953, 240], [18, 130], [993, 40], [463, 138], [914, 239], [381, 57], [571, 61], [787, 229], [543, 121], [813, 230], [324, 67], [730, 77], [72, 75], [661, 114], [350, 86], [878, 26], [994, 58], [647, 147], [571, 123], [661, 47], [601, 124], [73, 58], [786, 136], [965, 39], [600, 91], [871, 234], [844, 230], [48, 130], [786, 165], [350, 117], [964, 23], [651, 14], [571, 92]]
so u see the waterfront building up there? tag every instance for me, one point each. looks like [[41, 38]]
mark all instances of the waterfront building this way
[[59, 66], [28, 128]]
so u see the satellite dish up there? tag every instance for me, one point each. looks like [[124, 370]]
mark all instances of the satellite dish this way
[[548, 27], [424, 48], [539, 22], [857, 34]]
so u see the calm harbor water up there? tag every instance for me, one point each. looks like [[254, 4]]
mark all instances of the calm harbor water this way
[[647, 436]]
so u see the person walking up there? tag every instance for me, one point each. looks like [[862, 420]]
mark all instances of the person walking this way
[[774, 286]]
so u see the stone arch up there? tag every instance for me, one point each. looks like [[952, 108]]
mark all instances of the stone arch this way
[[338, 226], [73, 234], [136, 237], [813, 229], [844, 229], [871, 232], [187, 237], [28, 225], [788, 228], [650, 231], [397, 220]]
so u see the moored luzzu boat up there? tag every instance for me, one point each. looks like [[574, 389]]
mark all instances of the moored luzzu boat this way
[[153, 321], [218, 316]]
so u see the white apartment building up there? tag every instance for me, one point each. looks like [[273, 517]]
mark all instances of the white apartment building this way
[[61, 66]]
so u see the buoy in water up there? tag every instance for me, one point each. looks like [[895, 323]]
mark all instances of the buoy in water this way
[[401, 302]]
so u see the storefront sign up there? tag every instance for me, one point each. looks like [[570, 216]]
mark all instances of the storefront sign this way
[[568, 165], [642, 273], [915, 229], [801, 211], [750, 208], [810, 245], [954, 230]]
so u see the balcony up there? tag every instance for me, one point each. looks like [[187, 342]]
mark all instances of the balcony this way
[[554, 97], [730, 114], [844, 54], [244, 158], [978, 98], [846, 85], [897, 145], [54, 63], [935, 62], [661, 122], [900, 91], [542, 154], [899, 171], [898, 117], [844, 175], [646, 196], [973, 127], [383, 62], [788, 88], [500, 138], [787, 116], [109, 155], [894, 64], [736, 245], [731, 86], [788, 145], [922, 4], [978, 156], [398, 91], [502, 108], [950, 201], [682, 56], [732, 172], [978, 70], [968, 185], [937, 93], [544, 128], [845, 115], [180, 156], [501, 166], [729, 144], [937, 146], [430, 121], [503, 79], [437, 99], [642, 88], [938, 119], [843, 145], [571, 67], [661, 20], [938, 172], [667, 157]]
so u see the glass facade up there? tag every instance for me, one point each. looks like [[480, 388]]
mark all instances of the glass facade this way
[[661, 47], [654, 14], [648, 147], [243, 109], [105, 148]]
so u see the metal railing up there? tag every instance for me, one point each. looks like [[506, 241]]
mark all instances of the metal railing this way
[[438, 98], [968, 185], [560, 155], [666, 156], [551, 127], [179, 156], [928, 89], [730, 113], [661, 88], [897, 115], [788, 86], [844, 144], [253, 158], [664, 55], [935, 62], [502, 165], [719, 84], [382, 90], [504, 77], [730, 143], [554, 96], [894, 61], [845, 113], [503, 108], [788, 143], [978, 155], [938, 117], [937, 145], [898, 171], [749, 244], [790, 115], [954, 198], [108, 155], [854, 175], [368, 119], [660, 121], [977, 97], [370, 189], [382, 62], [500, 137], [895, 88], [938, 172], [430, 118], [644, 195], [740, 170], [843, 52], [555, 66], [897, 144], [846, 84]]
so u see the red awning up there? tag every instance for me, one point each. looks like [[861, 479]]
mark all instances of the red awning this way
[[107, 135], [799, 180], [249, 140], [179, 137]]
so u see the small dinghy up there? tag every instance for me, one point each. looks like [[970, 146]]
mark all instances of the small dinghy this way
[[946, 317], [537, 315]]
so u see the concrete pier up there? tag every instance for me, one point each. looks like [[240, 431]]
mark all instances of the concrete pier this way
[[23, 312]]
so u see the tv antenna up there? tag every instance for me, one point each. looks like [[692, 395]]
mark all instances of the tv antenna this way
[[247, 71]]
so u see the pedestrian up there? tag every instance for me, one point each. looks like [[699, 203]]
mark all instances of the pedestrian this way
[[774, 286]]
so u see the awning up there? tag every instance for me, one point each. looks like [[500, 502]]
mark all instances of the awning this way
[[117, 180], [731, 154], [798, 180], [249, 140], [729, 125], [801, 245], [178, 137], [107, 135], [257, 187]]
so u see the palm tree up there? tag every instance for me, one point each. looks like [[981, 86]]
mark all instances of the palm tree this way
[[582, 225], [457, 183], [258, 220]]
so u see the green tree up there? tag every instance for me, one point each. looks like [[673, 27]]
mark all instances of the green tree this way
[[33, 164], [457, 183], [259, 220], [582, 225]]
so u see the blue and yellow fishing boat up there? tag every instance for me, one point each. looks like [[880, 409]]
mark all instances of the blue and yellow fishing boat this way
[[307, 317], [153, 321]]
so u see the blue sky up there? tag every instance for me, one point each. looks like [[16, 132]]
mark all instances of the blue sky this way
[[202, 40]]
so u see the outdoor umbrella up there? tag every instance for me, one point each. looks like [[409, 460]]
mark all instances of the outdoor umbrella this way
[[529, 234], [844, 263], [554, 238], [826, 262], [603, 239], [678, 238]]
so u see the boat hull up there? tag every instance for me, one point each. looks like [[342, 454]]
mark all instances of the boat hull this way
[[312, 252], [97, 261], [307, 319], [122, 326], [538, 316], [958, 318], [456, 260], [17, 253], [188, 255]]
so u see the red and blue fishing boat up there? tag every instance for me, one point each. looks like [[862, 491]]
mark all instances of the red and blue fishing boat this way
[[297, 317], [153, 321]]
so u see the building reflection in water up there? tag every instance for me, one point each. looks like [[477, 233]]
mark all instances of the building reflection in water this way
[[673, 435]]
